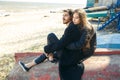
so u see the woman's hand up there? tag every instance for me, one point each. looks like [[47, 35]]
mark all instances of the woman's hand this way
[[50, 56]]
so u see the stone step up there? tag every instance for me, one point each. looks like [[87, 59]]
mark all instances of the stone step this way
[[104, 65]]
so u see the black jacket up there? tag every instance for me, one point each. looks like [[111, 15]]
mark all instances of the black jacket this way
[[68, 57], [72, 43], [85, 36]]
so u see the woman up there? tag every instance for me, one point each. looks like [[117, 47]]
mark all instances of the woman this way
[[84, 33], [87, 42]]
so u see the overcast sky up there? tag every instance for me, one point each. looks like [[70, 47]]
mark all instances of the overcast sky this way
[[53, 1]]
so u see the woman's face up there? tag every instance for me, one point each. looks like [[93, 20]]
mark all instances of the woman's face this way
[[76, 18]]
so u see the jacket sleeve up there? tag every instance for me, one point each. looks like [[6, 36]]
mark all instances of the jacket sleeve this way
[[63, 42], [82, 41]]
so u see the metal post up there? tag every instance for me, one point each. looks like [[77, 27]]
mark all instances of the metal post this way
[[118, 24]]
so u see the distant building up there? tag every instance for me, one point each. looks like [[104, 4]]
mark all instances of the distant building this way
[[105, 2], [91, 3]]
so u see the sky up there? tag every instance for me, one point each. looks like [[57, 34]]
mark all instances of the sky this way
[[53, 1]]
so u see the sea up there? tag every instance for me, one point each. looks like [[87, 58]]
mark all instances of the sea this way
[[9, 6]]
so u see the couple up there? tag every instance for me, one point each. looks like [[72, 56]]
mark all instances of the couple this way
[[77, 43]]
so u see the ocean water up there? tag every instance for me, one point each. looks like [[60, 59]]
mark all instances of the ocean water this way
[[33, 6]]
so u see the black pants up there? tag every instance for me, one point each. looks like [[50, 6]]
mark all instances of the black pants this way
[[51, 39], [73, 72]]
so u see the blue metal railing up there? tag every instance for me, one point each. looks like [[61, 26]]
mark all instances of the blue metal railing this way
[[112, 17], [110, 20]]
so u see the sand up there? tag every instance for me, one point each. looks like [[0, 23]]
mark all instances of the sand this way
[[21, 31], [27, 32]]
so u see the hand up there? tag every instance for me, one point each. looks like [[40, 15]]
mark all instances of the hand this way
[[50, 56], [46, 54]]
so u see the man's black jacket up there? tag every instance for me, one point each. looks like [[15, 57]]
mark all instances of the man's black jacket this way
[[71, 43]]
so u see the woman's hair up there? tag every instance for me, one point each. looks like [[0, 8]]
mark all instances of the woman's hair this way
[[83, 18]]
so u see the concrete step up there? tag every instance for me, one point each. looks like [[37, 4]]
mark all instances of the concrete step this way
[[104, 65]]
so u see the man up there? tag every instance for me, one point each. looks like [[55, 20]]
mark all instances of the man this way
[[69, 67]]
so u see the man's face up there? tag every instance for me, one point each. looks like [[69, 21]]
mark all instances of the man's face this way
[[66, 18]]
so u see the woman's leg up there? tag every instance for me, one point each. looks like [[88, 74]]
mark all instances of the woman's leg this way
[[26, 67], [51, 39]]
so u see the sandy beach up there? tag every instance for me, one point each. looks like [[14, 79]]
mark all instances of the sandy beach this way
[[21, 31], [26, 31], [24, 28]]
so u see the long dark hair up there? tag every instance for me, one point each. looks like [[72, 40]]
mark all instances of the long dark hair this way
[[83, 18]]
